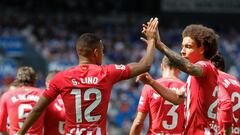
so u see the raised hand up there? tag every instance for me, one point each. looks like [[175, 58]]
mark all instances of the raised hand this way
[[150, 30], [158, 39], [145, 27]]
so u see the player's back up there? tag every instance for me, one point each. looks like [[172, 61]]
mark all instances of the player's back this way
[[16, 104], [85, 91], [231, 84], [201, 101], [55, 118], [165, 117]]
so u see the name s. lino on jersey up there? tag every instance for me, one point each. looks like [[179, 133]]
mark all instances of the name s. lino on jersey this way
[[86, 90], [92, 79]]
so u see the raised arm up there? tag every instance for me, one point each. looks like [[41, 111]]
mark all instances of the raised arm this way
[[175, 97], [180, 62], [145, 63], [38, 109]]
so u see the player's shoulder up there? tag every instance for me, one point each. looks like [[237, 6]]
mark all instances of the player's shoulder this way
[[11, 92], [205, 63], [178, 81], [170, 80], [80, 69], [226, 75], [147, 89], [159, 80], [163, 81], [36, 89], [33, 90], [227, 79], [23, 90], [115, 66], [98, 67], [208, 67], [5, 95], [61, 73]]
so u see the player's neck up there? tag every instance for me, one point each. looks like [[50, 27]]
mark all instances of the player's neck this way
[[202, 59], [84, 61], [167, 73]]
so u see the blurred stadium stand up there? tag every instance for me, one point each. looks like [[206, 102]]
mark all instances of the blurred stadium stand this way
[[43, 34]]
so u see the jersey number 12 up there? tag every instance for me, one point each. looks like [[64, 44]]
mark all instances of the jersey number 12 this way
[[89, 109]]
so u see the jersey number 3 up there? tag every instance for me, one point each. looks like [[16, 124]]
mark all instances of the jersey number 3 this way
[[172, 112]]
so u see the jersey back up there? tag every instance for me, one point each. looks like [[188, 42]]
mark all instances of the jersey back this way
[[231, 84], [85, 91], [16, 104], [164, 117]]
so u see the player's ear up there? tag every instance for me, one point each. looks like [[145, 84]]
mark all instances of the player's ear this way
[[161, 66], [201, 49], [95, 52], [177, 71]]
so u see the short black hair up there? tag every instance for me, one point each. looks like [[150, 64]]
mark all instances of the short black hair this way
[[86, 43], [218, 61], [26, 76]]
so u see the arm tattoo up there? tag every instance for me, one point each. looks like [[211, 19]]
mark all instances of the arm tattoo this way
[[180, 62]]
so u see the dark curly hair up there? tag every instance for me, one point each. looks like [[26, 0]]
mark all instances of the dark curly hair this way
[[218, 61], [203, 36], [26, 76]]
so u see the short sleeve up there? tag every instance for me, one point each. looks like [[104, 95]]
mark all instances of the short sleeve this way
[[56, 108], [118, 72], [143, 105], [3, 114], [205, 66], [184, 89], [59, 107], [53, 90]]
